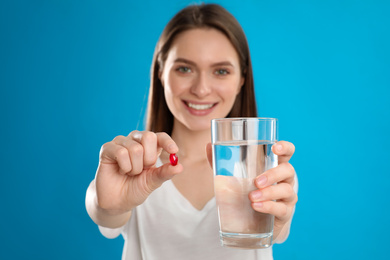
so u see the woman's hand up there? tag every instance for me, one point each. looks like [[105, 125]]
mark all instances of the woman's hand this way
[[127, 175], [279, 199]]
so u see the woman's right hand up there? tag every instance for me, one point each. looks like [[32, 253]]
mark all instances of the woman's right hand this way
[[127, 175]]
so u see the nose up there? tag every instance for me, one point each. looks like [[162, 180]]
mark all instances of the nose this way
[[201, 86]]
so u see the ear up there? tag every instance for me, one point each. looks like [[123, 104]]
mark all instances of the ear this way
[[242, 81], [159, 77]]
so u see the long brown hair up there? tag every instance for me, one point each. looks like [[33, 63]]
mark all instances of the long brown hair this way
[[159, 117]]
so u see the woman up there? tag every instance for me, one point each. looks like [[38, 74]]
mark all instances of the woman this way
[[201, 70]]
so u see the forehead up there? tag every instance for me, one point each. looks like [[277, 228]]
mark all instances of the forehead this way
[[203, 44]]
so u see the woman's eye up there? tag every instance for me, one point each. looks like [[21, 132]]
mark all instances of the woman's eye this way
[[184, 69], [221, 72]]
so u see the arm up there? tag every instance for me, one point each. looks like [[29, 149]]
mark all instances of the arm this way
[[100, 216]]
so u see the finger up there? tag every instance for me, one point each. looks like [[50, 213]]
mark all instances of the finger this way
[[135, 153], [112, 153], [165, 142], [162, 174], [148, 140], [153, 143], [136, 135], [209, 154], [282, 191], [282, 173], [284, 150], [278, 209]]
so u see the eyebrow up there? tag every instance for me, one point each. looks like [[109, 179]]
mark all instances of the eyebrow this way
[[222, 63], [185, 61]]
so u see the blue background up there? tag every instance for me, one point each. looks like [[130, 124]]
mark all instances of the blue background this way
[[74, 74]]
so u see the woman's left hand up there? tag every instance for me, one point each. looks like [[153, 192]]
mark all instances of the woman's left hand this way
[[279, 199]]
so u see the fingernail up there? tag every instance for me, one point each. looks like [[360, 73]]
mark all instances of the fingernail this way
[[261, 181], [258, 205], [256, 195]]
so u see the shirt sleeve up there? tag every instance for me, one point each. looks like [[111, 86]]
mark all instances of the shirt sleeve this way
[[110, 233]]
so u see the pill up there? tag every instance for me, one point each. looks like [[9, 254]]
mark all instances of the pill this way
[[173, 159]]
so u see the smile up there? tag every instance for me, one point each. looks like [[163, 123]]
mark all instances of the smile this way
[[199, 109], [200, 106]]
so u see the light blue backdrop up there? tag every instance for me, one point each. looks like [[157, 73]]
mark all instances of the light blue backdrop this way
[[74, 74]]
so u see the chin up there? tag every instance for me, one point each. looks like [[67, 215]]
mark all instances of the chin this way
[[197, 125]]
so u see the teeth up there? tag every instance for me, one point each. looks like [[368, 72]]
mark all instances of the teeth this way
[[199, 107]]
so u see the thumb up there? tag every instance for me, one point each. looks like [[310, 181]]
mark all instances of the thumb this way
[[162, 174], [209, 154]]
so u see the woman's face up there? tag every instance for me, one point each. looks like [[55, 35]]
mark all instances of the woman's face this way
[[201, 77]]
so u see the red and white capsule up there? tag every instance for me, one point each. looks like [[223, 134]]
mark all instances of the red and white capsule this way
[[173, 159]]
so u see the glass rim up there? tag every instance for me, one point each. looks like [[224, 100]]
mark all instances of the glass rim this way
[[244, 118]]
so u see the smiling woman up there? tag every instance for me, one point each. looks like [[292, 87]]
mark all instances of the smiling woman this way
[[212, 19], [201, 77], [166, 209]]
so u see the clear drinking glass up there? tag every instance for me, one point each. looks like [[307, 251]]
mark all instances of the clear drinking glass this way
[[241, 152]]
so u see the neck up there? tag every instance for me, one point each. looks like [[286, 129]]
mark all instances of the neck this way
[[192, 144]]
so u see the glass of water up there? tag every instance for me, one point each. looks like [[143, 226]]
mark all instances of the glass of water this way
[[241, 152]]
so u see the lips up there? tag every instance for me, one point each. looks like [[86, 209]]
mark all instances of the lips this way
[[199, 109], [199, 106]]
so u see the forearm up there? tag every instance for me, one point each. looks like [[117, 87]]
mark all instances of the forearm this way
[[101, 216]]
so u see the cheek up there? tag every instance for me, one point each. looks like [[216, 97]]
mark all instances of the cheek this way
[[172, 91], [229, 92], [175, 85]]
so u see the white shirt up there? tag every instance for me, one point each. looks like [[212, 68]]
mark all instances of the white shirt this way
[[167, 227]]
